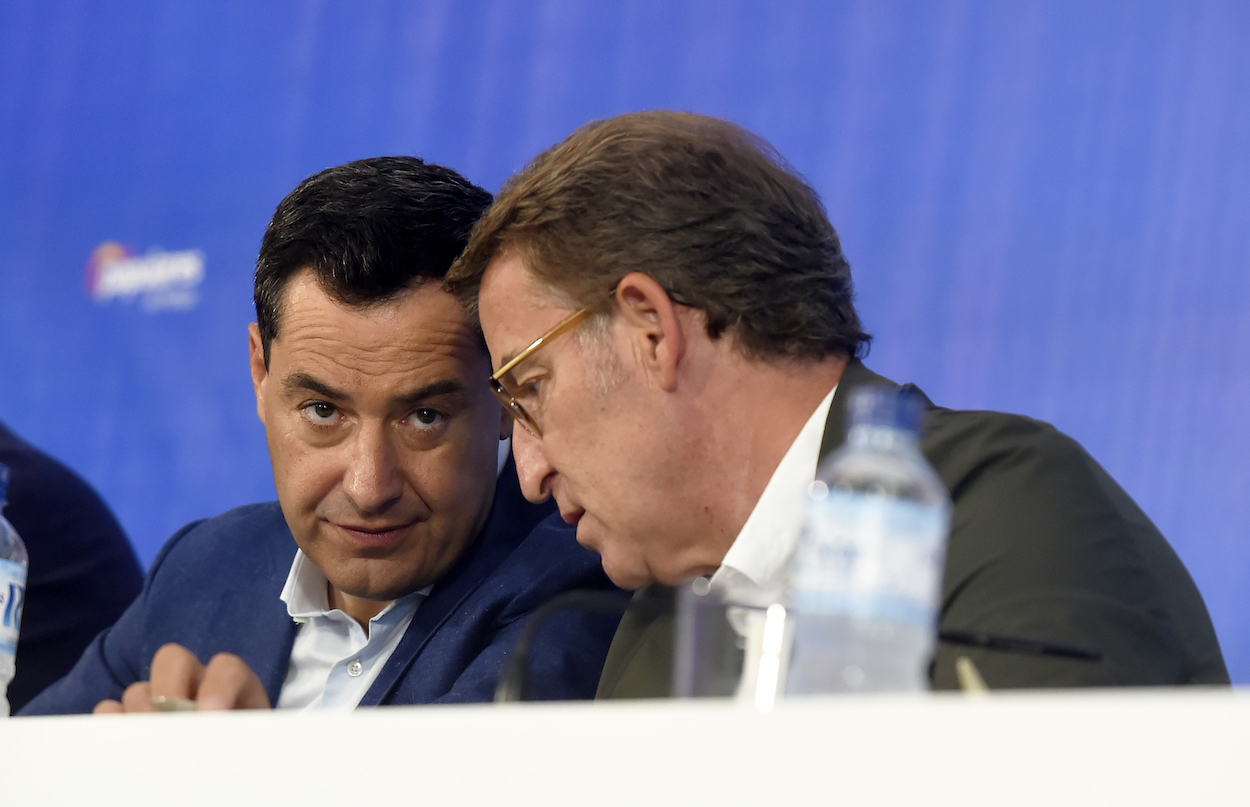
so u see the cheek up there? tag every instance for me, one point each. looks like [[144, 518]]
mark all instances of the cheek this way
[[453, 473], [625, 451], [302, 475]]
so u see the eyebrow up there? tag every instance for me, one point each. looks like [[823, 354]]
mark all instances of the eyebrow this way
[[448, 386], [303, 381]]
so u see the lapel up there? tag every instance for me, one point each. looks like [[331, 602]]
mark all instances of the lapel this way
[[271, 628], [511, 520], [640, 660], [278, 634]]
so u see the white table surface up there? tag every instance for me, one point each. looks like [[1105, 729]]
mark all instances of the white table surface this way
[[1130, 747]]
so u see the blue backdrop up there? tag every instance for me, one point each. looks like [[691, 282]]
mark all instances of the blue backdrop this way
[[1046, 205]]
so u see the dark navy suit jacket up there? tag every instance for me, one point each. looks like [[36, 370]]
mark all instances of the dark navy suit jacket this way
[[215, 588], [83, 572]]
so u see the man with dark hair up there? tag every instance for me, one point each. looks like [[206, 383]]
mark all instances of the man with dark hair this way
[[713, 346], [400, 562]]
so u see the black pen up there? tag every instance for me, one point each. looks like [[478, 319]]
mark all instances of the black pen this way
[[1014, 644]]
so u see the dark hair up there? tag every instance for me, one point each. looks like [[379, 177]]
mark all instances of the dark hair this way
[[707, 209], [368, 230]]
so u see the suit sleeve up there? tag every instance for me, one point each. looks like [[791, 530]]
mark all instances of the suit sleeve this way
[[1044, 545], [118, 657]]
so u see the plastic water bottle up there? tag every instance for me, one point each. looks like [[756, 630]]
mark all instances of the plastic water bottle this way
[[13, 565], [866, 576]]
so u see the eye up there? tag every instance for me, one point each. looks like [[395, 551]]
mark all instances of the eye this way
[[320, 413], [426, 418], [529, 390]]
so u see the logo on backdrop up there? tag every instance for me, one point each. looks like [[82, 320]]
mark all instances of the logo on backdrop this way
[[160, 280]]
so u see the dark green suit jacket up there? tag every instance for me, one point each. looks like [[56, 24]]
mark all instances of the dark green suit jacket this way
[[1044, 545]]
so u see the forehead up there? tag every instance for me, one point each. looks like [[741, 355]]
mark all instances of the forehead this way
[[514, 308], [422, 330]]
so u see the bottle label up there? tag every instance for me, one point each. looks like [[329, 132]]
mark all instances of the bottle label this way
[[872, 556], [12, 598]]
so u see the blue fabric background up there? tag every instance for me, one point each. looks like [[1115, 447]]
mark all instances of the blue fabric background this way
[[1046, 205]]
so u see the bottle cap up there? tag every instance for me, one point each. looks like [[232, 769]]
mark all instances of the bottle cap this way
[[886, 407]]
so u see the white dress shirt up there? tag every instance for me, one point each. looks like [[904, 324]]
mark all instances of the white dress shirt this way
[[334, 661], [753, 572], [754, 569]]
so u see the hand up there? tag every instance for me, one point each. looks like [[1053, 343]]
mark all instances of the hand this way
[[226, 683]]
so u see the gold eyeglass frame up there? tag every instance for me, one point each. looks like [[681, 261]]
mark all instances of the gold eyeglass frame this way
[[510, 403]]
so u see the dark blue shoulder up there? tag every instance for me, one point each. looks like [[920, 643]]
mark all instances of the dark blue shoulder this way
[[550, 561], [556, 540], [253, 535]]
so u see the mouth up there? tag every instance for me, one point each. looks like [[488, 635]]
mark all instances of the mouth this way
[[587, 532], [374, 536]]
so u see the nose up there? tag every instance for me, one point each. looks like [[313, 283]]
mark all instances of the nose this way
[[373, 481], [532, 466]]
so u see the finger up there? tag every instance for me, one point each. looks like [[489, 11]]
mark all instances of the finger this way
[[138, 697], [176, 672], [228, 683], [109, 708]]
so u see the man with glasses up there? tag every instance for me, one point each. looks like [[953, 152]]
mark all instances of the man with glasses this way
[[400, 563], [671, 316]]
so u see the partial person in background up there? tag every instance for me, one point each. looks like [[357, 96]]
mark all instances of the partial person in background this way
[[400, 562], [672, 322], [83, 571]]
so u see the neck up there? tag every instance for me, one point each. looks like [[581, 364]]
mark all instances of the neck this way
[[753, 411]]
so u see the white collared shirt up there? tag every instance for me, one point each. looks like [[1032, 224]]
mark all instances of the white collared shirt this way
[[754, 569], [334, 661]]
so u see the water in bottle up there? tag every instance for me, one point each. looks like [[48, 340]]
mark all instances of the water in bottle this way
[[13, 565], [866, 575]]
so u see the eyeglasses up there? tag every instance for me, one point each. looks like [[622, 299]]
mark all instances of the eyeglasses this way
[[510, 403]]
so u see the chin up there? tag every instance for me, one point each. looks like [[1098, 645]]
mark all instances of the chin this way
[[384, 593], [360, 583], [628, 578]]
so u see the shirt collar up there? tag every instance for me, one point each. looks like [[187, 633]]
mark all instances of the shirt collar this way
[[306, 592], [753, 571]]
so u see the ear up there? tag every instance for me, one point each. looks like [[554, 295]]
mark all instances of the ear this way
[[650, 318], [260, 372]]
